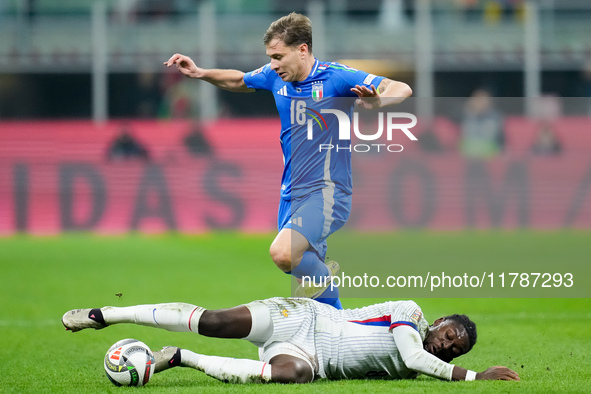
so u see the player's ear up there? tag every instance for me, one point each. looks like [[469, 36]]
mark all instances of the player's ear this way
[[303, 49], [438, 321]]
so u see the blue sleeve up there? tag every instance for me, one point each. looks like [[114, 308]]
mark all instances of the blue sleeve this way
[[259, 78], [349, 77]]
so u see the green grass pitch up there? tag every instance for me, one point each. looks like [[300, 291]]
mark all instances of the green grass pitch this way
[[547, 341]]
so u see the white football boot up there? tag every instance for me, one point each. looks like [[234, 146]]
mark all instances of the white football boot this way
[[168, 357], [79, 319]]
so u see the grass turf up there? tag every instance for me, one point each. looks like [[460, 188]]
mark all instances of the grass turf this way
[[547, 341]]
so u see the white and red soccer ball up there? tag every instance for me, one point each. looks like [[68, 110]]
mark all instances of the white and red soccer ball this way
[[129, 362]]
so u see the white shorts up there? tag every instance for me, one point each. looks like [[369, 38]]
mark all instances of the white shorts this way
[[293, 320]]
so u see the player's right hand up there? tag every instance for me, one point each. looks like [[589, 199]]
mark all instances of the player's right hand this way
[[497, 373], [184, 64]]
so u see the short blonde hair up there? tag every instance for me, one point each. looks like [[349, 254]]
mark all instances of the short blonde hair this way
[[293, 29]]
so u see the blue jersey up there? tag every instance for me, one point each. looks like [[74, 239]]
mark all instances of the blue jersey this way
[[307, 166]]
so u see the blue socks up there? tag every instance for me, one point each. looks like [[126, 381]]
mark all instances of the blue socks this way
[[312, 266]]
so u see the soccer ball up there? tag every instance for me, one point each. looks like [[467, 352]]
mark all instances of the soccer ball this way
[[129, 362]]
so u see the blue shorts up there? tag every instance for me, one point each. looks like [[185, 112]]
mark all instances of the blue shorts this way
[[316, 215]]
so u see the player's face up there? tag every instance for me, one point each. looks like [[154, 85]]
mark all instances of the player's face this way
[[446, 340], [288, 62]]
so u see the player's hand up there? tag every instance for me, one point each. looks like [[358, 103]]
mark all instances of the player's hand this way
[[184, 64], [497, 373], [368, 98]]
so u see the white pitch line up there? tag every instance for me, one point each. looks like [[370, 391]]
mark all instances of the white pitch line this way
[[30, 323]]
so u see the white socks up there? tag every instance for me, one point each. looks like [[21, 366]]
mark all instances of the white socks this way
[[176, 316], [185, 317], [231, 370]]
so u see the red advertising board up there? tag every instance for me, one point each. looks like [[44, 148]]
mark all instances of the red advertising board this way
[[56, 176]]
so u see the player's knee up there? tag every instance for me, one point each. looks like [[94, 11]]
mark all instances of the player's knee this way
[[292, 371], [281, 257], [302, 373]]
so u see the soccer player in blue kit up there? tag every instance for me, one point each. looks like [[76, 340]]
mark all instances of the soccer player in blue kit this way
[[316, 183]]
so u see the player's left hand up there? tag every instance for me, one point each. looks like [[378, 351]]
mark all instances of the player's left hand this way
[[368, 98], [497, 373]]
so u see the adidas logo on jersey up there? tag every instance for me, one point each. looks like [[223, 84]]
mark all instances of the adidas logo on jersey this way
[[282, 91]]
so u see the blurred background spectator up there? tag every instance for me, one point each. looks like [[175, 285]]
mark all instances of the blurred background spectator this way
[[546, 142], [149, 96], [179, 98], [197, 143], [126, 147], [482, 127], [428, 139]]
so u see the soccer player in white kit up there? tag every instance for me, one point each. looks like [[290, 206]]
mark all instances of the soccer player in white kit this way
[[301, 340]]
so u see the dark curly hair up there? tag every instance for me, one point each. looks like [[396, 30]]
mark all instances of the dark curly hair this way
[[468, 324]]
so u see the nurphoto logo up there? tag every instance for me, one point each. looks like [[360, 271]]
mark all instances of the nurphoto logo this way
[[390, 122]]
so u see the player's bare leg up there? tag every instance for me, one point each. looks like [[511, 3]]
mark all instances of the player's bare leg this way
[[226, 323]]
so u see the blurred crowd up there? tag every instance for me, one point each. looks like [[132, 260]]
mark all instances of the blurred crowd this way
[[150, 92], [137, 10]]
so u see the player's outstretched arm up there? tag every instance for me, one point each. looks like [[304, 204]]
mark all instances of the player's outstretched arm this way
[[388, 92], [416, 358], [492, 373], [232, 80]]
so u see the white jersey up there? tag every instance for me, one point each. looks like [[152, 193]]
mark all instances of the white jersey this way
[[358, 343], [342, 344]]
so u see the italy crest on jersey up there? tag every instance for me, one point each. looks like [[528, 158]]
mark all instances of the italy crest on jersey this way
[[317, 91]]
